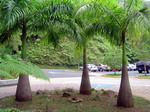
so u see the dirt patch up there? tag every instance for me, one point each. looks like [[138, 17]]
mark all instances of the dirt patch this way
[[52, 101]]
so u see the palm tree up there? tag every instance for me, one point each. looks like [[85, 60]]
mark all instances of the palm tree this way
[[85, 86], [84, 11], [82, 23], [73, 27], [121, 23], [23, 16]]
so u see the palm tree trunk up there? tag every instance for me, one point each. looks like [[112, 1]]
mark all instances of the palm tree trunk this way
[[23, 92], [85, 87], [125, 98]]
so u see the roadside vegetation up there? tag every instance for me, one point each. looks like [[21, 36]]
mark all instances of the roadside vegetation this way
[[143, 77], [112, 75]]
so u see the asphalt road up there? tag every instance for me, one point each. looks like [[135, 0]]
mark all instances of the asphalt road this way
[[68, 76], [61, 73]]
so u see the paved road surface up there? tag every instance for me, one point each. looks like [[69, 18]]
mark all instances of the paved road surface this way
[[60, 79], [75, 77]]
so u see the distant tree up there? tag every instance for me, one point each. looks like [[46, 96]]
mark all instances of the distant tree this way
[[113, 58]]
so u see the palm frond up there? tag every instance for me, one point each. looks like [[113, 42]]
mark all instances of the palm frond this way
[[5, 33], [53, 36], [138, 23], [4, 74], [21, 67], [109, 30], [84, 8], [14, 11]]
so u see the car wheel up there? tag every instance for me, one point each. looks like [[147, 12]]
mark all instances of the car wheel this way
[[100, 70], [140, 71], [148, 71]]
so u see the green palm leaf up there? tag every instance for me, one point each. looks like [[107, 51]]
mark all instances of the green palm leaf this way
[[21, 67], [4, 74], [105, 29]]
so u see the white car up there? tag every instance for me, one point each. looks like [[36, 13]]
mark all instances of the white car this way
[[102, 67], [131, 67], [91, 67]]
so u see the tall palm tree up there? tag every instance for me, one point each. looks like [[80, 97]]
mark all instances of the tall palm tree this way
[[25, 15], [83, 17], [126, 21], [85, 86], [84, 10]]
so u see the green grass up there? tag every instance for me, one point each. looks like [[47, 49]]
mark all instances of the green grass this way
[[112, 75], [56, 103], [143, 77], [12, 110], [57, 67]]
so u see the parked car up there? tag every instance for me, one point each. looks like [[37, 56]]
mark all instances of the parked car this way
[[116, 69], [91, 67], [140, 66], [107, 68], [131, 67], [102, 67]]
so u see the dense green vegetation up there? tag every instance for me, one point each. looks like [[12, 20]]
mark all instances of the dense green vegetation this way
[[99, 51]]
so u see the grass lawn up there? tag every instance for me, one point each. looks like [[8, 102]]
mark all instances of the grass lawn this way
[[57, 67], [112, 75], [52, 101], [143, 77]]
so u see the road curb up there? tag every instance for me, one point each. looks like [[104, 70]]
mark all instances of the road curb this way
[[8, 82]]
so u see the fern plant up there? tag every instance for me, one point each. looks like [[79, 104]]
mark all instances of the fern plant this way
[[8, 64], [4, 74]]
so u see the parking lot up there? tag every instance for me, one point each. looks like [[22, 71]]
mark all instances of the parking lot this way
[[57, 73]]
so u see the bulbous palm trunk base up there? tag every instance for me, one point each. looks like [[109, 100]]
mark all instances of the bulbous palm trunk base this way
[[125, 98], [23, 92], [85, 87]]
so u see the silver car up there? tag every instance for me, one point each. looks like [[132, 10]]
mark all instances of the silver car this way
[[91, 67]]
